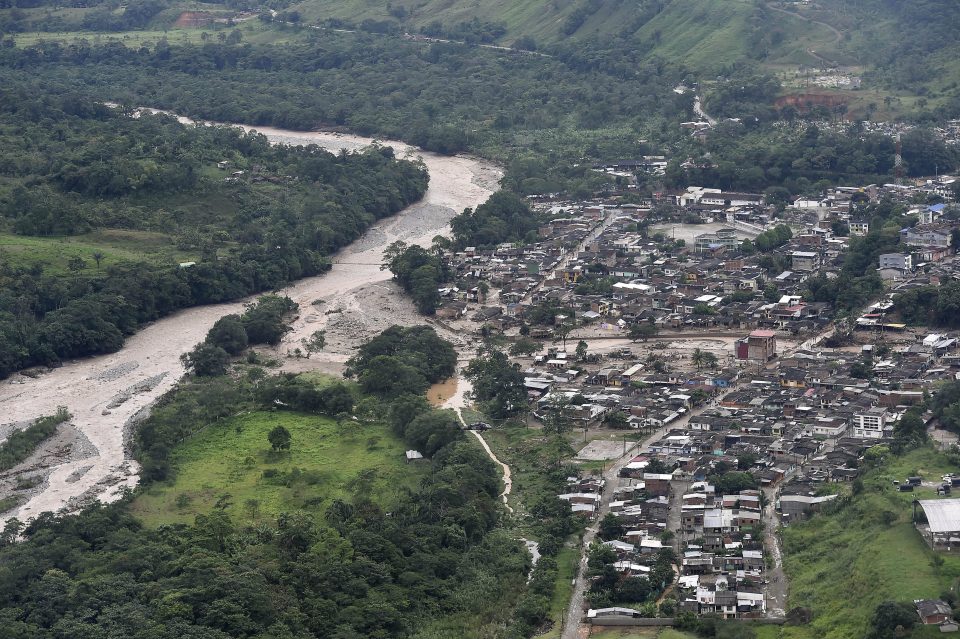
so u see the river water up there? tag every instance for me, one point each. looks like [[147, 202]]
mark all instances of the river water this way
[[149, 363]]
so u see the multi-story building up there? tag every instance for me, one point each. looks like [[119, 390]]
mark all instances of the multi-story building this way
[[724, 238], [859, 227], [870, 424], [896, 260], [759, 345], [805, 260], [925, 236]]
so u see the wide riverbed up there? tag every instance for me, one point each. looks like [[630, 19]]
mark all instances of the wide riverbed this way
[[104, 393]]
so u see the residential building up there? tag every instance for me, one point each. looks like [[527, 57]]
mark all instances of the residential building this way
[[725, 238], [926, 236], [870, 424], [900, 261], [933, 611], [859, 227], [805, 260], [759, 345]]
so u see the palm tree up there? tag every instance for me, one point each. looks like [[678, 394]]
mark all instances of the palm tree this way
[[697, 358], [97, 257]]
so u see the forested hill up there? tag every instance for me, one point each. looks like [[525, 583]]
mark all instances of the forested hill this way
[[683, 30], [147, 223], [907, 47], [902, 45]]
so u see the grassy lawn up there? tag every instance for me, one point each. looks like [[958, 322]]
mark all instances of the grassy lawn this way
[[567, 560], [516, 446], [228, 461], [842, 565]]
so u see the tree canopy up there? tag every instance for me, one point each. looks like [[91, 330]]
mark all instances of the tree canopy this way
[[402, 361]]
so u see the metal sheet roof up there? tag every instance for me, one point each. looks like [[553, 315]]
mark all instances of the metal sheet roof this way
[[942, 514]]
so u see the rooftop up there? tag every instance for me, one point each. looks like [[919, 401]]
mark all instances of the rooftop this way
[[942, 514]]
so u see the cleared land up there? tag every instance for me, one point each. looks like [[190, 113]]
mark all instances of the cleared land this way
[[231, 463]]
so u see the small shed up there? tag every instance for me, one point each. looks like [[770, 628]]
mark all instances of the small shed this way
[[415, 456]]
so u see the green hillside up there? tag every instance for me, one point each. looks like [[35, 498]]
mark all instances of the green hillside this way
[[703, 33], [906, 47], [903, 49], [547, 21]]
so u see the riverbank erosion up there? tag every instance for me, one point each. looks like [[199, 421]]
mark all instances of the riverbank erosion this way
[[107, 394]]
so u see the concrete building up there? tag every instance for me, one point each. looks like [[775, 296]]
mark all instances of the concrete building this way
[[724, 238], [795, 507], [896, 260], [921, 236], [804, 261], [859, 227], [759, 345], [870, 424]]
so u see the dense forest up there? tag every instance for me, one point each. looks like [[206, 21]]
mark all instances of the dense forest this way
[[352, 572], [403, 361], [433, 564], [421, 93], [419, 271], [803, 158], [504, 217], [931, 305], [72, 165], [547, 118]]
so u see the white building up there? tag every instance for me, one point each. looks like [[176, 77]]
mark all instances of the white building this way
[[870, 424], [900, 261]]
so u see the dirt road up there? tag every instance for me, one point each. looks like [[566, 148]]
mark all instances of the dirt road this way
[[457, 402], [105, 393]]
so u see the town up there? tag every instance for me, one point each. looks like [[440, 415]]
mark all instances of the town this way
[[677, 339]]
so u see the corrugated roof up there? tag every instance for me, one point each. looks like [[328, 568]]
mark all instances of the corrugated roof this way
[[943, 515]]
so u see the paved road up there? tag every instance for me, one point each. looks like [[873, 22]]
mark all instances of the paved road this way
[[778, 585], [571, 254], [571, 621]]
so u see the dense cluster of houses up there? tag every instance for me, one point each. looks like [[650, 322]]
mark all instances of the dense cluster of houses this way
[[792, 429], [603, 262], [745, 430]]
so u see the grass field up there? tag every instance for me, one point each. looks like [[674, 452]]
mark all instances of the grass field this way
[[842, 565], [115, 245], [229, 464], [252, 31]]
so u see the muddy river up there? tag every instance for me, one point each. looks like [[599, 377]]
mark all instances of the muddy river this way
[[104, 393]]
